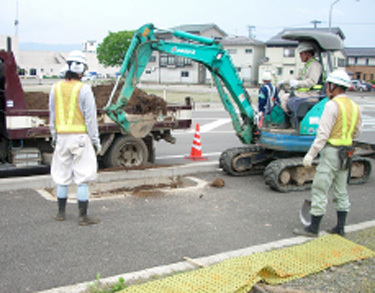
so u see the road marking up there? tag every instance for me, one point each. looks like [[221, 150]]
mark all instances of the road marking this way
[[215, 124]]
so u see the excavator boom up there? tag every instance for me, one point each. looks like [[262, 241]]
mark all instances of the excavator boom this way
[[205, 51]]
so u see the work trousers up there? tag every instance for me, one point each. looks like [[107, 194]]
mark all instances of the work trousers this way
[[327, 176]]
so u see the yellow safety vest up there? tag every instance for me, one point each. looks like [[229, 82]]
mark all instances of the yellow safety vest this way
[[69, 118], [316, 87], [346, 122]]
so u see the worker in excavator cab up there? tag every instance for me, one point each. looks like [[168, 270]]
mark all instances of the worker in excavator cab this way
[[309, 82], [75, 137]]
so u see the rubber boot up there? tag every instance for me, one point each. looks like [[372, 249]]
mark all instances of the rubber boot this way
[[61, 202], [339, 229], [312, 230], [84, 219]]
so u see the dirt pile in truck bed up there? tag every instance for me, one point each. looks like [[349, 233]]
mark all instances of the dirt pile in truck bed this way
[[139, 103]]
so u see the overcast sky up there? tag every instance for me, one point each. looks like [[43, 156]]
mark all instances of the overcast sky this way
[[74, 21]]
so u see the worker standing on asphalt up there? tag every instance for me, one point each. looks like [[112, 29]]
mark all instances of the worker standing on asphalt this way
[[75, 137], [340, 122], [267, 99], [309, 81]]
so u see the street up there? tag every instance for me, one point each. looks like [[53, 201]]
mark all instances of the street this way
[[140, 232]]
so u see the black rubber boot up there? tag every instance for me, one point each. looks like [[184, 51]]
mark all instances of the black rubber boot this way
[[312, 230], [84, 219], [341, 220], [61, 202]]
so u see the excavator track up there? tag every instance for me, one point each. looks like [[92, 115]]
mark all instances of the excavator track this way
[[240, 161], [285, 175]]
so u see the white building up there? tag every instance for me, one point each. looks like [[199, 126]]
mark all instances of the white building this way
[[49, 63], [165, 68], [246, 54]]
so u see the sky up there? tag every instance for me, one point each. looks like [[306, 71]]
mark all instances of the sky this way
[[74, 21]]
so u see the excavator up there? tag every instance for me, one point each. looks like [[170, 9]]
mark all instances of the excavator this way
[[277, 153]]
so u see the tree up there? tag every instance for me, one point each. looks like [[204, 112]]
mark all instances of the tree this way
[[112, 50]]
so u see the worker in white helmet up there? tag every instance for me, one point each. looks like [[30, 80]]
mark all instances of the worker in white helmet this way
[[75, 136], [267, 99], [309, 81], [340, 122]]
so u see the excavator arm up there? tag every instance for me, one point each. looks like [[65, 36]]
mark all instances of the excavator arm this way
[[205, 51]]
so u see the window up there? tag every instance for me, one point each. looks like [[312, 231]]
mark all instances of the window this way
[[32, 71], [341, 62], [184, 73], [171, 60], [291, 72], [248, 51], [152, 58], [232, 51], [148, 71], [288, 52], [279, 71]]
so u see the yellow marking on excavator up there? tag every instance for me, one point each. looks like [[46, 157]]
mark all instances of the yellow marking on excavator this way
[[273, 267], [146, 32]]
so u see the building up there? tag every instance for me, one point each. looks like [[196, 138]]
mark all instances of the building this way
[[360, 63], [246, 55], [282, 58], [37, 63], [164, 68]]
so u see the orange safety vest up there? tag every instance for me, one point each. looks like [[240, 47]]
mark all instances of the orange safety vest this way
[[69, 118], [346, 122]]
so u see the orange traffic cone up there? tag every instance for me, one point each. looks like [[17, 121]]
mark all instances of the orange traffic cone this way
[[196, 148]]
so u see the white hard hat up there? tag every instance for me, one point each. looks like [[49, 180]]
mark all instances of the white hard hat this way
[[77, 62], [305, 46], [267, 75], [339, 77]]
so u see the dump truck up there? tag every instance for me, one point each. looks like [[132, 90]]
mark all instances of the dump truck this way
[[25, 141]]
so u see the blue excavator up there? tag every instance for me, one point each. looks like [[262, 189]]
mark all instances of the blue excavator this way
[[275, 152]]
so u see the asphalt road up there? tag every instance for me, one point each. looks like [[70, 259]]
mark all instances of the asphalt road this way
[[139, 232]]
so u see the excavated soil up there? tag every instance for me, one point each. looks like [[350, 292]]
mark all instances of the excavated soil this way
[[139, 103]]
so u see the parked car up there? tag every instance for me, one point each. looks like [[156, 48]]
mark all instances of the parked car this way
[[359, 85]]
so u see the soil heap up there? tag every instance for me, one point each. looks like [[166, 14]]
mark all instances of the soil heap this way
[[139, 103]]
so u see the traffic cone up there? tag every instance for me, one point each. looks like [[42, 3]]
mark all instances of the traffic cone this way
[[196, 148]]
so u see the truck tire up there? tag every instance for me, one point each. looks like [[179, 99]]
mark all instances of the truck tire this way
[[126, 151]]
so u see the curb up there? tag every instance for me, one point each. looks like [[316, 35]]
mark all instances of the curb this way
[[139, 176], [203, 261]]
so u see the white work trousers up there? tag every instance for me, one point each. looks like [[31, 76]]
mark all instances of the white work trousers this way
[[74, 160]]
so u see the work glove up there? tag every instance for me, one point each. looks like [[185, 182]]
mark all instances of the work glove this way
[[293, 83], [53, 143], [98, 148], [307, 161], [258, 118]]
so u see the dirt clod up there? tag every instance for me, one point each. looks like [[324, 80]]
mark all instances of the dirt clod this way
[[219, 182]]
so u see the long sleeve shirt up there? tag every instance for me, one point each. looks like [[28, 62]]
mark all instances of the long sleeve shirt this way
[[310, 76], [326, 123], [87, 106]]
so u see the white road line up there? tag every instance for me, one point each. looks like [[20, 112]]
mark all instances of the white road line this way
[[215, 124]]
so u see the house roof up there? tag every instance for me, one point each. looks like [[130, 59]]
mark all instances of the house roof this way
[[241, 41], [277, 40], [198, 28], [359, 52]]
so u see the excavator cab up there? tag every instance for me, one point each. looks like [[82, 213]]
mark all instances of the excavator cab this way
[[325, 43]]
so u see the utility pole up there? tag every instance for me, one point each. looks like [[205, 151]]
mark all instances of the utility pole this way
[[250, 29], [315, 22], [330, 13], [16, 22]]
